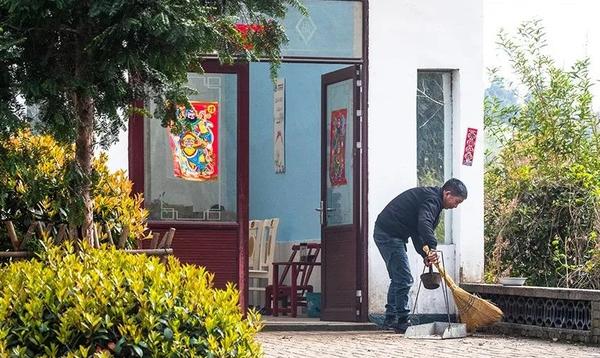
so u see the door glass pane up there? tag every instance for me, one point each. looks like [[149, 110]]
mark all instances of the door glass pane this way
[[340, 139], [192, 175], [434, 137], [331, 29]]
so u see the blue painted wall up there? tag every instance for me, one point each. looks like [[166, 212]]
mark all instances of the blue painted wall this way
[[294, 195]]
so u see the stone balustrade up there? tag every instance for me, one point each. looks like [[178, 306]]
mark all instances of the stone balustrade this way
[[544, 312]]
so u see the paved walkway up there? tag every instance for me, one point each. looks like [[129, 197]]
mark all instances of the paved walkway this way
[[383, 344]]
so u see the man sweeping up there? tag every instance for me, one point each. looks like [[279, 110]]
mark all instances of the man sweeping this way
[[415, 213]]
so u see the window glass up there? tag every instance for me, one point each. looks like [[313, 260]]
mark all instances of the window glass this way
[[331, 29], [340, 144], [191, 175], [434, 136]]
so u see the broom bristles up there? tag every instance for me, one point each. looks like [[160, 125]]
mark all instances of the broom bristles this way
[[474, 311]]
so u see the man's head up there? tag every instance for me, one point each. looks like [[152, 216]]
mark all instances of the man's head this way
[[454, 192]]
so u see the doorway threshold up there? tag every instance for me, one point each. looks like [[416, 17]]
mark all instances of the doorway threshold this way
[[283, 323]]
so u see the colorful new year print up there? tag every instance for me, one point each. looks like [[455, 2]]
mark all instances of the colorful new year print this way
[[195, 148]]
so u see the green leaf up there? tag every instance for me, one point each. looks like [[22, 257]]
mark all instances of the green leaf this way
[[168, 333], [138, 351], [119, 345]]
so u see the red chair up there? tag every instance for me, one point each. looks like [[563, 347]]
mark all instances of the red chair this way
[[292, 295]]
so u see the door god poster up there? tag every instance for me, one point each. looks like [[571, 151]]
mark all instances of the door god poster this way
[[337, 147], [195, 148]]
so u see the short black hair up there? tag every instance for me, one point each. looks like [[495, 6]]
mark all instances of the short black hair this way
[[456, 188]]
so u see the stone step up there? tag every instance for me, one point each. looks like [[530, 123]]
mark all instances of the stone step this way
[[313, 324]]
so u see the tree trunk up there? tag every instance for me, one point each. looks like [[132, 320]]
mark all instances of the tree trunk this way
[[84, 151]]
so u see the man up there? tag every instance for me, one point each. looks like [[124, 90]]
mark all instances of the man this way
[[415, 213]]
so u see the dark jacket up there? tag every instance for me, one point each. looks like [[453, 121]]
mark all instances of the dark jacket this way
[[415, 213]]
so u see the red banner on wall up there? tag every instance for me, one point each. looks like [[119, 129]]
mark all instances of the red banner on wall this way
[[470, 140], [195, 148], [337, 147]]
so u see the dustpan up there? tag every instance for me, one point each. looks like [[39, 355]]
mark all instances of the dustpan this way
[[435, 330]]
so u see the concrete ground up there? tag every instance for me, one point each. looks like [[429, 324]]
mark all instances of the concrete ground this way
[[380, 344]]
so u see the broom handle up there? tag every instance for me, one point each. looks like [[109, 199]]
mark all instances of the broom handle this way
[[449, 281]]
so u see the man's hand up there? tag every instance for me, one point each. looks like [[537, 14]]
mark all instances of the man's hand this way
[[432, 258]]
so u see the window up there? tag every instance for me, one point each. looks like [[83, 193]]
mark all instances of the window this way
[[332, 28], [340, 106], [434, 136], [192, 175]]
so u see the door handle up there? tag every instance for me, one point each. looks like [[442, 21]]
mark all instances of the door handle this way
[[322, 210]]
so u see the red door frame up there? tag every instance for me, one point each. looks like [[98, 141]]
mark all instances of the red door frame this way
[[363, 224], [364, 218], [136, 173], [348, 241]]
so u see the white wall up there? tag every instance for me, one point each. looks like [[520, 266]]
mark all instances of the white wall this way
[[405, 36], [118, 156]]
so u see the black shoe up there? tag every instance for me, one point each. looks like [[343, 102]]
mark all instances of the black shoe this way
[[402, 327], [389, 323], [402, 324]]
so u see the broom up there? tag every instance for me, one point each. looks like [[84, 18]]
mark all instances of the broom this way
[[474, 311]]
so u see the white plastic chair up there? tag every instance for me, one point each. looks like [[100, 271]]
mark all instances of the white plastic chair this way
[[263, 271], [255, 233]]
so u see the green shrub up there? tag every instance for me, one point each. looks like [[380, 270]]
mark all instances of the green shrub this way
[[542, 183], [104, 302], [38, 181]]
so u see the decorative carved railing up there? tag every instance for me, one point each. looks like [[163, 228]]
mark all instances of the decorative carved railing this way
[[545, 311]]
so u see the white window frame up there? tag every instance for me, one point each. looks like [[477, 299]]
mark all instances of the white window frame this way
[[448, 78]]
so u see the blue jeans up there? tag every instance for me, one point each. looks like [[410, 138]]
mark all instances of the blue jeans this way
[[393, 251]]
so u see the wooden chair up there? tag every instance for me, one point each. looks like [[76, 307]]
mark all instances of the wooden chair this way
[[301, 269], [264, 246]]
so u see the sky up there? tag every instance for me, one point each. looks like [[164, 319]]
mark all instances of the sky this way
[[572, 31]]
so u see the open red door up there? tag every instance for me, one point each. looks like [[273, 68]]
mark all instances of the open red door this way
[[340, 195]]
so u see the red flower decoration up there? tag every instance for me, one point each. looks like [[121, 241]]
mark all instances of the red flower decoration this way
[[244, 29]]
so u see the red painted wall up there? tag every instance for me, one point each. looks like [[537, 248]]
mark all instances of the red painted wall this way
[[215, 249]]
